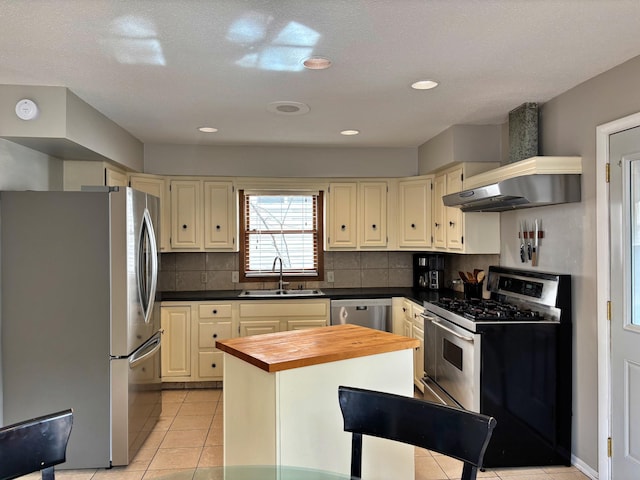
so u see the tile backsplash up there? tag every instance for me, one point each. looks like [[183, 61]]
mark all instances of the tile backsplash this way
[[213, 271]]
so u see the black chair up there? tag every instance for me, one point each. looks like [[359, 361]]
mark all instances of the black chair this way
[[35, 445], [450, 431]]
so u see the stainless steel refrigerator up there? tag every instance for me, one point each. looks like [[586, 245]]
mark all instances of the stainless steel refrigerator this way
[[80, 326]]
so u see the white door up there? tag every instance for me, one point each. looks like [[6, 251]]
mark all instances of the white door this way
[[625, 300]]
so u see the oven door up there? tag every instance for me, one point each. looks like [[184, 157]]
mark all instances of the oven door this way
[[457, 362]]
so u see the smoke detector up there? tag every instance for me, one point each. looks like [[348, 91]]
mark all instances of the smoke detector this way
[[288, 108]]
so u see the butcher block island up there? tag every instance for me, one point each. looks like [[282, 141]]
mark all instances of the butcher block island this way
[[281, 397]]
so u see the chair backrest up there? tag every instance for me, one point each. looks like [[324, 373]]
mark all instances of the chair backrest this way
[[450, 431], [35, 445]]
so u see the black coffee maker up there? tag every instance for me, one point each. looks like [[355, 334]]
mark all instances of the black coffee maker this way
[[428, 271]]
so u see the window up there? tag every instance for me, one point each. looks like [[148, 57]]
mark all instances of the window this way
[[285, 225]]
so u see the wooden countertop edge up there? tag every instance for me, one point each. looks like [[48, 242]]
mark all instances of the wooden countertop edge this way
[[316, 346]]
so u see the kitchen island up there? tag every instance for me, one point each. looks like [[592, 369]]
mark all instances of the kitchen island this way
[[281, 397]]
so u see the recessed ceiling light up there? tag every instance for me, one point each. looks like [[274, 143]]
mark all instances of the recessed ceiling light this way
[[208, 129], [424, 85], [349, 132], [317, 63]]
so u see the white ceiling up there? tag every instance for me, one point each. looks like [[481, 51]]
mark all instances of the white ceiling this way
[[162, 68]]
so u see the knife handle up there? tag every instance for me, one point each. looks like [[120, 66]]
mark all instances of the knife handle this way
[[529, 250], [523, 257], [534, 258]]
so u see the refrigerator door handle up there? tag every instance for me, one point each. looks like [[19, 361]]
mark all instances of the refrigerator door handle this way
[[147, 265], [149, 348]]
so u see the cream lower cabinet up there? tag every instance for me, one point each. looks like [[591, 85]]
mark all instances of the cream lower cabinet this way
[[214, 323], [176, 342], [270, 316], [413, 326], [191, 329]]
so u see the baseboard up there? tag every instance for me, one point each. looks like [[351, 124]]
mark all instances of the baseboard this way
[[584, 468]]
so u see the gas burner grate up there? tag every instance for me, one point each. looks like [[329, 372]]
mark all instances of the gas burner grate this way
[[480, 310]]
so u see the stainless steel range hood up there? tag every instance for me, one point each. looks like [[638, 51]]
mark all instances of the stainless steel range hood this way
[[534, 182]]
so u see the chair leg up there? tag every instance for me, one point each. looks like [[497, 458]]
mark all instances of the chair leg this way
[[356, 456], [48, 474]]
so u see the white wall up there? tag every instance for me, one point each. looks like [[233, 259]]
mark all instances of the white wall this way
[[269, 161], [568, 127], [24, 169]]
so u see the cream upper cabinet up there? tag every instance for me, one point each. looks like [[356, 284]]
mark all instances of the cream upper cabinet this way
[[203, 215], [186, 218], [114, 178], [456, 231], [414, 203], [454, 216], [439, 216], [341, 217], [219, 215], [357, 215], [372, 214], [156, 186]]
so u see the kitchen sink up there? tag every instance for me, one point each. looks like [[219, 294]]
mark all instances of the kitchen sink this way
[[282, 293]]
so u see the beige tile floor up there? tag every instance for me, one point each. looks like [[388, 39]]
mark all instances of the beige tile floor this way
[[189, 436]]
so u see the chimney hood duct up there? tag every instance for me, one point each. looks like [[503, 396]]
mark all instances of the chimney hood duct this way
[[534, 182]]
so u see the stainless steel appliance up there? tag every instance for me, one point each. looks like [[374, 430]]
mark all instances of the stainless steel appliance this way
[[80, 325], [366, 312], [428, 271], [509, 357]]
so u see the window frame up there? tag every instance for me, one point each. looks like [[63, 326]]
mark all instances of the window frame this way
[[274, 277]]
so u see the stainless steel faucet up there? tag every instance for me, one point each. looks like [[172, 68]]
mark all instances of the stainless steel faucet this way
[[273, 269]]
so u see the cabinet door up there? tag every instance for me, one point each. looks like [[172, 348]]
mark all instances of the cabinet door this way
[[185, 207], [114, 178], [342, 215], [439, 216], [156, 187], [372, 214], [455, 217], [210, 333], [418, 359], [259, 327], [415, 213], [176, 341], [219, 215]]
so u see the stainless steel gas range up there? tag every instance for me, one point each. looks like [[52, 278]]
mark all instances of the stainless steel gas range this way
[[508, 356]]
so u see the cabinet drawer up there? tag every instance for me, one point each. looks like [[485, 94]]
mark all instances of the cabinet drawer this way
[[210, 332], [289, 308], [210, 364], [304, 324], [215, 310]]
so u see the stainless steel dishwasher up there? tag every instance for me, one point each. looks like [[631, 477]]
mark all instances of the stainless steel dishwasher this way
[[366, 312]]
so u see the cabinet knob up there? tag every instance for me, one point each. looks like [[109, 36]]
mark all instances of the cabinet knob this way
[[215, 312], [184, 226], [451, 224], [343, 227], [217, 227], [213, 365], [215, 335], [437, 224], [373, 226], [413, 225]]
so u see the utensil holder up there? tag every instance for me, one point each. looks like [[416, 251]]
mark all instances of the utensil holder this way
[[473, 290]]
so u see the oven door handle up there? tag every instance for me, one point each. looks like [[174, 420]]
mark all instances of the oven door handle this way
[[452, 332]]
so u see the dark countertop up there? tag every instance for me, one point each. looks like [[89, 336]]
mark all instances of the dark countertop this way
[[416, 295]]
